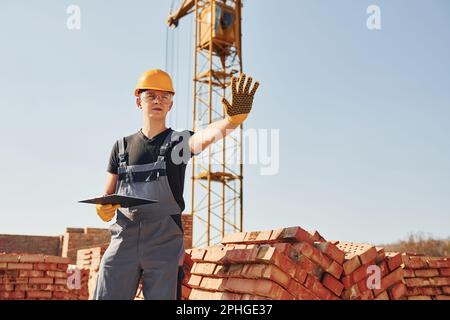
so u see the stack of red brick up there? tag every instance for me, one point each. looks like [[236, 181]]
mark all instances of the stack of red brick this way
[[370, 273], [187, 266], [89, 261], [292, 263], [284, 264], [36, 276], [426, 278]]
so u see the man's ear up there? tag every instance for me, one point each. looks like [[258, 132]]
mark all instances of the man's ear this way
[[171, 104], [138, 102]]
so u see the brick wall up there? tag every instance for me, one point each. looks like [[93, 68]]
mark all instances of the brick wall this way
[[187, 227], [294, 264], [32, 244], [39, 277], [81, 238]]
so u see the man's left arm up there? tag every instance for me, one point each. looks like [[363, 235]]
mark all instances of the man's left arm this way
[[236, 112]]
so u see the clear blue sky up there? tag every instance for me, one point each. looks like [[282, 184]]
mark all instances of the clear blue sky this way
[[363, 115]]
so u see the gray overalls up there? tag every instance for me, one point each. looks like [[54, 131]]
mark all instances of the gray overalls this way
[[145, 240]]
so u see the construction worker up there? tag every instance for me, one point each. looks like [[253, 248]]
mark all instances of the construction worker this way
[[147, 240]]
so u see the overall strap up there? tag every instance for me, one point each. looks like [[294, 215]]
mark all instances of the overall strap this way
[[122, 153], [172, 138]]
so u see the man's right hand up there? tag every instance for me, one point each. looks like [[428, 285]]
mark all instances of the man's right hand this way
[[106, 211]]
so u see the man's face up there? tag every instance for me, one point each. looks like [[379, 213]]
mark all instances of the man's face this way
[[155, 104]]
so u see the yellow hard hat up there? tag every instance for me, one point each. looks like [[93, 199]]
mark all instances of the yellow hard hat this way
[[155, 79]]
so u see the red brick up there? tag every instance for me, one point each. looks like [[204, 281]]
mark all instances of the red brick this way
[[264, 236], [430, 291], [417, 282], [45, 266], [397, 291], [384, 268], [317, 288], [364, 272], [250, 237], [442, 297], [14, 280], [216, 255], [28, 287], [271, 255], [310, 267], [9, 257], [351, 265], [439, 262], [440, 281], [40, 281], [194, 281], [20, 266], [39, 295], [55, 288], [359, 291], [335, 269], [197, 294], [314, 254], [61, 281], [287, 249], [3, 265], [32, 258], [317, 237], [241, 255], [257, 237], [445, 272], [185, 292], [62, 267], [354, 293], [260, 287], [390, 280], [228, 270], [414, 262], [419, 298], [12, 295], [382, 296], [203, 268], [237, 237], [426, 273], [331, 251], [55, 259], [61, 295], [56, 274], [6, 287], [31, 273], [408, 273], [215, 284], [446, 290], [381, 255], [365, 252], [300, 275], [333, 284], [394, 260], [347, 281], [198, 255], [264, 271], [295, 234], [300, 292], [250, 297], [367, 295], [275, 235]]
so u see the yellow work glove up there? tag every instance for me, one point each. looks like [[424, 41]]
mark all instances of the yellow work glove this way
[[241, 99], [106, 211]]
